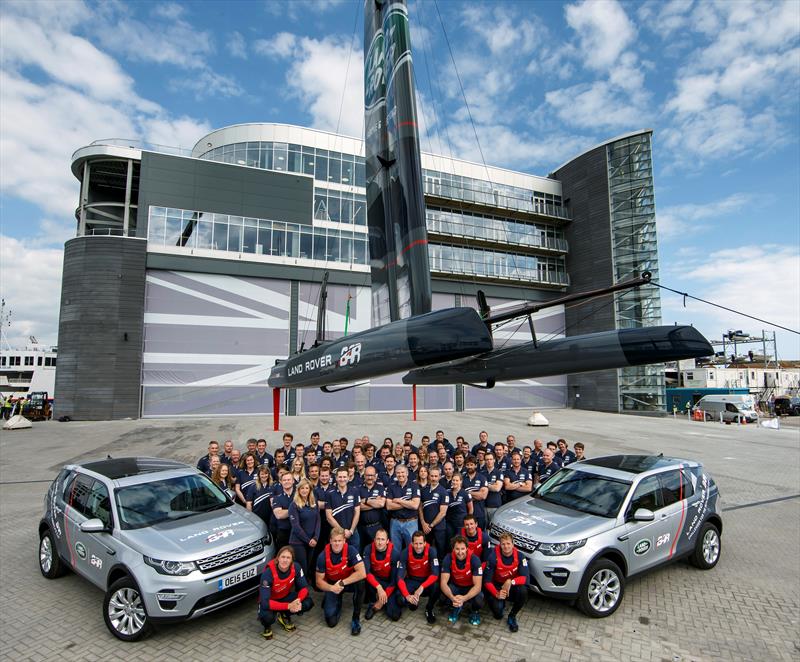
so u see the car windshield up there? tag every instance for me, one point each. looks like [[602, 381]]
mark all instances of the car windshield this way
[[149, 503], [586, 492]]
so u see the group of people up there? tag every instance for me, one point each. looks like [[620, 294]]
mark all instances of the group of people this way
[[393, 525]]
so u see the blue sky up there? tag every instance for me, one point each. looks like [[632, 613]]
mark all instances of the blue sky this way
[[717, 81]]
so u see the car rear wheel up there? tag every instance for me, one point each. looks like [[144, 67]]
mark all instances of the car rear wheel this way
[[708, 548], [601, 590], [50, 563], [124, 612]]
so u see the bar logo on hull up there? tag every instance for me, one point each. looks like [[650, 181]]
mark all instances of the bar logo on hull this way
[[351, 355]]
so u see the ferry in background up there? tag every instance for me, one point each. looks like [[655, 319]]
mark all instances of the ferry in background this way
[[29, 370]]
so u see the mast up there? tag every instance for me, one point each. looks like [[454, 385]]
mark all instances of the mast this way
[[398, 238]]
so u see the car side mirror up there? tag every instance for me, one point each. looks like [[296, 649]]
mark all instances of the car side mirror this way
[[95, 525], [643, 515]]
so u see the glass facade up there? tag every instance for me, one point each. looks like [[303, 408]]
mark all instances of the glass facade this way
[[477, 262], [191, 229], [635, 250]]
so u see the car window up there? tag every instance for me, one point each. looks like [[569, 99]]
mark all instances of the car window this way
[[98, 503], [675, 486], [78, 495], [647, 495], [588, 493]]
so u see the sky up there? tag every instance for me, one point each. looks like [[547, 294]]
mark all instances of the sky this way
[[718, 82]]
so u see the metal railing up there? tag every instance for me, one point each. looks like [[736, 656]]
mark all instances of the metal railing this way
[[135, 143]]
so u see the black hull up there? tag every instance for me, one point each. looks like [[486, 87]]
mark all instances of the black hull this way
[[443, 335], [586, 353]]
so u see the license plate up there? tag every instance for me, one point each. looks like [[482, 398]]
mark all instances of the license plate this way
[[236, 577]]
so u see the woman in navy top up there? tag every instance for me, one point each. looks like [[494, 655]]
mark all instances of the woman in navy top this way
[[261, 504], [460, 504], [246, 484], [305, 522], [224, 480]]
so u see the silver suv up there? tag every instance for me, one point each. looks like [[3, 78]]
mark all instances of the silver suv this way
[[595, 523], [162, 541]]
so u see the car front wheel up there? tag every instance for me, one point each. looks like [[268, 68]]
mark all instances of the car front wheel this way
[[50, 563], [708, 548], [124, 612], [601, 590]]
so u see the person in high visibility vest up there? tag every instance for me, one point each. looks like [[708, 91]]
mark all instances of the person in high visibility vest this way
[[381, 558], [418, 576], [283, 592], [340, 569], [507, 576]]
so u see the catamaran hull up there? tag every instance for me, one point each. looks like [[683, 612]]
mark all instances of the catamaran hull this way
[[586, 353], [443, 335]]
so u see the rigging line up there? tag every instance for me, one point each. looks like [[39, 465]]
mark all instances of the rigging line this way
[[731, 310], [335, 139]]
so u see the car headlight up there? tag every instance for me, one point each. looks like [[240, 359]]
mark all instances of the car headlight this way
[[174, 568], [559, 548]]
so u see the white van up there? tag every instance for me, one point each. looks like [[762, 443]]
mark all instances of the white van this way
[[730, 407]]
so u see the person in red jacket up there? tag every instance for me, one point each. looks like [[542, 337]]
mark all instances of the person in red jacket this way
[[477, 541], [507, 576], [283, 592], [380, 562], [461, 581], [340, 569], [417, 576]]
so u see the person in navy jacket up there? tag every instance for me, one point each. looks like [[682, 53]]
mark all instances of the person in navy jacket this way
[[380, 562], [304, 519], [506, 578], [340, 569], [283, 592], [459, 507], [434, 500], [418, 576], [461, 581], [564, 455], [342, 508]]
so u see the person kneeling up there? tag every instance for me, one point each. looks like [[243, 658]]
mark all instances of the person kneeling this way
[[507, 577], [380, 561], [283, 592], [461, 581], [417, 576], [340, 569]]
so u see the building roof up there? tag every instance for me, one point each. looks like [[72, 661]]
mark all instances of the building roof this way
[[602, 144]]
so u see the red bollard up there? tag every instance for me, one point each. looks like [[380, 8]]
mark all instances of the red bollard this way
[[414, 399], [276, 409]]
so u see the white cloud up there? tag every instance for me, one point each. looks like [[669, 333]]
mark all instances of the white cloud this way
[[763, 281], [208, 84], [237, 46], [679, 220], [301, 9], [665, 18], [320, 77], [604, 31], [34, 310], [501, 29]]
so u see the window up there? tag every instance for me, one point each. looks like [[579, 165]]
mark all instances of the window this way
[[675, 485], [647, 495], [78, 493], [28, 360], [2, 360], [39, 362]]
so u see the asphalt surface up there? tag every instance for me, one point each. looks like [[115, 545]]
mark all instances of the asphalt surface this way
[[747, 608]]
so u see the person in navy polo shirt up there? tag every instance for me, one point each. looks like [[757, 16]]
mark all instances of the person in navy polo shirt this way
[[288, 450], [517, 481], [506, 578], [342, 508], [475, 485], [380, 562], [580, 451], [373, 501], [314, 449], [494, 483], [246, 480], [227, 454], [281, 503], [387, 475], [459, 507], [402, 502], [262, 456], [483, 443], [461, 582], [564, 455], [283, 592], [204, 463], [547, 466], [340, 569], [418, 576], [434, 500]]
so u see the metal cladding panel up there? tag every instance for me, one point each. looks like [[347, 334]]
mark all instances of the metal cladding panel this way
[[395, 203], [209, 341], [100, 328], [584, 183], [208, 186]]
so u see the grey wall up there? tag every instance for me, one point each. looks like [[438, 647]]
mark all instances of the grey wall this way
[[102, 300], [590, 265], [222, 188]]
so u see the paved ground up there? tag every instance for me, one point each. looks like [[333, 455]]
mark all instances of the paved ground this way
[[748, 608]]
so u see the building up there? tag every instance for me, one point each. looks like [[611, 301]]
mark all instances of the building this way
[[191, 272]]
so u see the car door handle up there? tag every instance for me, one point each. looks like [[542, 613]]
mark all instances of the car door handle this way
[[623, 538]]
